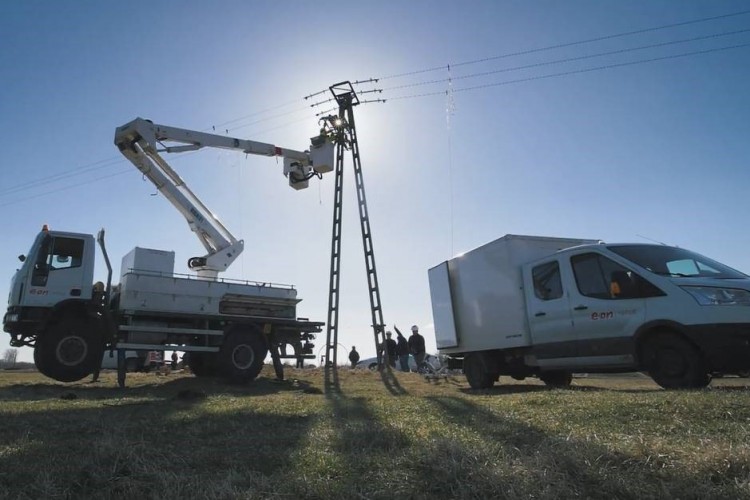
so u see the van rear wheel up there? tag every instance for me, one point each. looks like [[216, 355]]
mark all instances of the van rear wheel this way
[[556, 378], [478, 370], [674, 363]]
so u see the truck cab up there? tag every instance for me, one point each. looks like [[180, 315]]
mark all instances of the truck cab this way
[[53, 306], [57, 272]]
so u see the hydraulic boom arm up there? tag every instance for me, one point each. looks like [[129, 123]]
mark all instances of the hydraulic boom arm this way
[[141, 141]]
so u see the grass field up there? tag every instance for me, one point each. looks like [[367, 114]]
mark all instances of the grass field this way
[[366, 435]]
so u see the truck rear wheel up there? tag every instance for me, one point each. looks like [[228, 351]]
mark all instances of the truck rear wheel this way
[[556, 378], [674, 363], [478, 370], [68, 351], [241, 357]]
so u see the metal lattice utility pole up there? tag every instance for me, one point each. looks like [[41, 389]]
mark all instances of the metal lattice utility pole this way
[[346, 138]]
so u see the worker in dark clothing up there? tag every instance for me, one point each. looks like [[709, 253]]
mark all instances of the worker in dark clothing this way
[[390, 348], [402, 350], [416, 346], [354, 357], [173, 365]]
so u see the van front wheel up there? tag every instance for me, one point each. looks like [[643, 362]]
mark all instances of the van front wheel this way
[[674, 363]]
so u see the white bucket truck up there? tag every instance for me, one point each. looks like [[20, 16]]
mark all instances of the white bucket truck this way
[[227, 327], [536, 306]]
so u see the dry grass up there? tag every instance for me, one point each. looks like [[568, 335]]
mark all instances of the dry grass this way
[[363, 436]]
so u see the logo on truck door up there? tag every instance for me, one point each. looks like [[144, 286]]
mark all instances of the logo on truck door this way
[[38, 291]]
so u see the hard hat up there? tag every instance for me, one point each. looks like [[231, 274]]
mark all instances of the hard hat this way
[[414, 328]]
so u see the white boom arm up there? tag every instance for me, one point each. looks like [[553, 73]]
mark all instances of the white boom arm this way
[[141, 141]]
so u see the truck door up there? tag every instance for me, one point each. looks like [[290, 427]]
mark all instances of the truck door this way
[[549, 313], [58, 272], [608, 304]]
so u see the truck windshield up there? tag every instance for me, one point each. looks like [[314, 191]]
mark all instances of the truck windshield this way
[[677, 262]]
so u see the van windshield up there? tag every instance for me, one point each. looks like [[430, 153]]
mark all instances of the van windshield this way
[[677, 262]]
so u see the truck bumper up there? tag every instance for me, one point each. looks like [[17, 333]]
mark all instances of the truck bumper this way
[[24, 321], [725, 346]]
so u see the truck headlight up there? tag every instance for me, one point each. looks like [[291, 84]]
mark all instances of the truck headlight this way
[[716, 296], [11, 318]]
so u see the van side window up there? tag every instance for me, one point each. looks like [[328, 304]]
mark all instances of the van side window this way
[[547, 281], [66, 253], [601, 278]]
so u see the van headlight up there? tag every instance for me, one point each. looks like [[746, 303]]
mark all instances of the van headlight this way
[[715, 296]]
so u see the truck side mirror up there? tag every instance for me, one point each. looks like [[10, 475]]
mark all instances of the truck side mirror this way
[[22, 258]]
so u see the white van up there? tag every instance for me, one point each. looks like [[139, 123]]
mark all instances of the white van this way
[[135, 361], [536, 306]]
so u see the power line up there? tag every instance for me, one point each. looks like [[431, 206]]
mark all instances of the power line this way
[[572, 72], [569, 44], [61, 176], [65, 188], [569, 59]]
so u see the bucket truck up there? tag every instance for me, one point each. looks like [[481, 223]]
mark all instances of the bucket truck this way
[[226, 327]]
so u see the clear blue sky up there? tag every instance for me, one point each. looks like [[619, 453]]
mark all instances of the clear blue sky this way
[[658, 149]]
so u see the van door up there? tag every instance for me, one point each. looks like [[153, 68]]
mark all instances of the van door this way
[[548, 311], [608, 305]]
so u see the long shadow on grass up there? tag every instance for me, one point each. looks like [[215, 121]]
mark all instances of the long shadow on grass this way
[[527, 462], [359, 450], [178, 388], [168, 448], [390, 381]]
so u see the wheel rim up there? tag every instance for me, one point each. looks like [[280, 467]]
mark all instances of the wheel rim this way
[[243, 356], [71, 350]]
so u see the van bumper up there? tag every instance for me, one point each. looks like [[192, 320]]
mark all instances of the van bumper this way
[[725, 346]]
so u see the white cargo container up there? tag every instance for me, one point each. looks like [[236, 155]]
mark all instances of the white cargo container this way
[[528, 305]]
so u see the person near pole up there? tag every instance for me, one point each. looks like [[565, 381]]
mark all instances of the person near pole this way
[[391, 349], [354, 357], [416, 346], [402, 350]]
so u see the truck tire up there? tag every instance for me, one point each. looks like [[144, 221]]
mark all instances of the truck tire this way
[[674, 363], [68, 351], [478, 370], [241, 357], [556, 378], [202, 364]]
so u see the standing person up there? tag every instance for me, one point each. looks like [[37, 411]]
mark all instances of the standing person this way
[[416, 346], [390, 348], [174, 360], [402, 350], [354, 357]]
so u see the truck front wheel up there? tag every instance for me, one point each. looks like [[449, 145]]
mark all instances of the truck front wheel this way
[[674, 363], [478, 370], [68, 351], [241, 357]]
